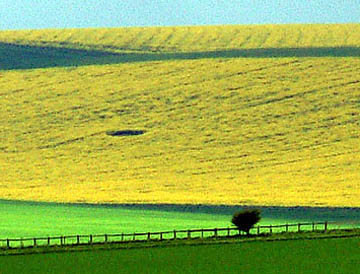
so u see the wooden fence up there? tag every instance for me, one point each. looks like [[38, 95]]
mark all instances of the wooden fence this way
[[163, 235]]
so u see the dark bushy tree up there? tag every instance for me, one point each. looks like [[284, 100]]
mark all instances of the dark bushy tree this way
[[246, 219]]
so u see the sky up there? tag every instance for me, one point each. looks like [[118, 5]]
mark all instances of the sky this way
[[40, 14]]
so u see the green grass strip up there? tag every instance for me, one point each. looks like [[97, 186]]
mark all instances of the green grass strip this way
[[264, 237]]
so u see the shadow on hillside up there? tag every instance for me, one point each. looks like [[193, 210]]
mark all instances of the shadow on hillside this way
[[13, 56], [317, 213], [339, 214]]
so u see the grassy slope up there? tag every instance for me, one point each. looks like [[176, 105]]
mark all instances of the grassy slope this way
[[267, 131], [255, 257], [86, 220]]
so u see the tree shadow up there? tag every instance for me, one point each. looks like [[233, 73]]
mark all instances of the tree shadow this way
[[14, 56]]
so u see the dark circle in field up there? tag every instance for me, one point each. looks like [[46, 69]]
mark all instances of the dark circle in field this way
[[120, 133]]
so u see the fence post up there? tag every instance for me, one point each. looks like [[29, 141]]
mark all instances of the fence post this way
[[325, 226], [77, 239], [91, 239], [134, 236], [299, 227], [61, 240], [106, 238], [21, 243], [202, 233], [48, 241], [287, 228], [188, 234], [258, 230], [313, 226], [161, 235], [149, 235], [228, 231], [174, 234], [7, 243], [34, 242], [215, 232], [270, 229], [122, 236]]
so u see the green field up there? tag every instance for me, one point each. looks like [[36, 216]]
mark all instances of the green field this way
[[21, 219], [297, 256], [37, 220], [262, 115]]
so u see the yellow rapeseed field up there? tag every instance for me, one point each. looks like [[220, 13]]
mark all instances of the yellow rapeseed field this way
[[273, 129], [192, 38]]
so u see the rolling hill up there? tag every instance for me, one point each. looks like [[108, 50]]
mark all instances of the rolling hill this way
[[262, 115]]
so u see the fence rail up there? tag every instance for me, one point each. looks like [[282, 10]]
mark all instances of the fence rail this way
[[161, 235]]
